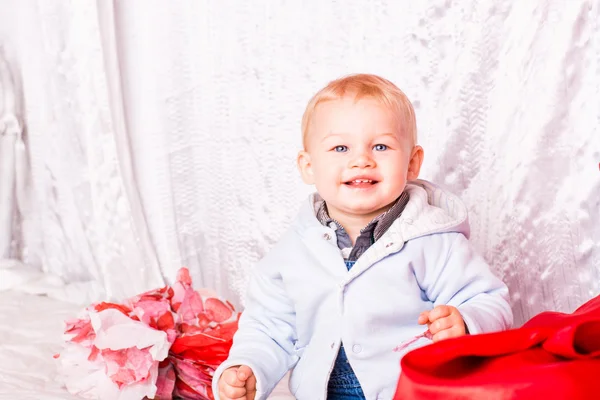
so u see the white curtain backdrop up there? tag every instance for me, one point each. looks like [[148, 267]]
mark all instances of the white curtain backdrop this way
[[162, 134]]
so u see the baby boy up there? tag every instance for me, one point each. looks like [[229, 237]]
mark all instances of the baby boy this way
[[374, 258]]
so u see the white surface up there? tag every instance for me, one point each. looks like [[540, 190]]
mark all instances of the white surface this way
[[506, 94], [30, 334]]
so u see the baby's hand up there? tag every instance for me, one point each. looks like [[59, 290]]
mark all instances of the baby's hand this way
[[237, 383], [444, 322]]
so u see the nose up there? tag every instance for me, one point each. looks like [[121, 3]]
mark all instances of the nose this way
[[362, 160]]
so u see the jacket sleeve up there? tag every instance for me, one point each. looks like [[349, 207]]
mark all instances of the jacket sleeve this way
[[461, 278], [266, 334]]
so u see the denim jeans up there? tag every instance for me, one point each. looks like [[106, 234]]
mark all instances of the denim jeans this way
[[343, 384]]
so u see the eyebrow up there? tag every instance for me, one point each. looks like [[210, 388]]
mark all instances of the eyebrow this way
[[393, 135], [332, 135]]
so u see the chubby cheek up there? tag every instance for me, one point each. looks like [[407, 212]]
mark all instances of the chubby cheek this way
[[327, 183], [326, 171], [396, 178]]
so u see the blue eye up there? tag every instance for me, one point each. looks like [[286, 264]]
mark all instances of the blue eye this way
[[340, 149], [380, 147]]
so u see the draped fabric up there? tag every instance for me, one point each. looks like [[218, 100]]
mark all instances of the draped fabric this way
[[553, 355], [81, 223], [163, 134]]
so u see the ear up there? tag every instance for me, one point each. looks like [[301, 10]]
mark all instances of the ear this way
[[305, 167], [414, 165]]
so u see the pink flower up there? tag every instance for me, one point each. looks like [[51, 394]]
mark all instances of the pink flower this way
[[116, 358], [206, 326], [162, 343]]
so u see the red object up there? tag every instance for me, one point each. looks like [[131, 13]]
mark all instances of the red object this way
[[199, 329], [205, 335], [553, 356], [196, 356]]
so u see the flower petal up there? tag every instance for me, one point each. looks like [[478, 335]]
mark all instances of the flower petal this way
[[115, 331], [217, 311], [127, 366], [165, 383]]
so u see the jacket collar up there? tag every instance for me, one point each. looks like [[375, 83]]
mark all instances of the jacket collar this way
[[430, 209]]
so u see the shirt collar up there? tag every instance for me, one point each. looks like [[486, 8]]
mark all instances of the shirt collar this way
[[379, 224]]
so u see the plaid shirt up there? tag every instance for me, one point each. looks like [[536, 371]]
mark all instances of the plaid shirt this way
[[368, 235]]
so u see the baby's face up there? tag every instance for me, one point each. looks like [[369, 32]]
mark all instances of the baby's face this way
[[357, 157]]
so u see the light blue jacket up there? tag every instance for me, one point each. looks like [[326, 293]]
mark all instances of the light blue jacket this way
[[302, 301]]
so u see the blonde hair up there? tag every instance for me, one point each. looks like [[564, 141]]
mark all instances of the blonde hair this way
[[361, 86]]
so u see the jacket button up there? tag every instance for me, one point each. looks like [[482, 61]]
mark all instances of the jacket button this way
[[389, 244], [326, 236], [357, 348]]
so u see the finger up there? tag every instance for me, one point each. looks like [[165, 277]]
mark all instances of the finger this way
[[223, 396], [244, 372], [251, 384], [443, 335], [447, 334], [441, 325], [440, 312], [231, 392], [423, 318], [230, 376]]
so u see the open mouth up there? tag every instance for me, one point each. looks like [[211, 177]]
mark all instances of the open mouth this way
[[361, 182]]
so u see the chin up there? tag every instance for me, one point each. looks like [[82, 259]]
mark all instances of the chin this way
[[364, 210]]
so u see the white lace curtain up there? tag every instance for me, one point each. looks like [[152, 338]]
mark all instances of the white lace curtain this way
[[162, 134], [82, 224]]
